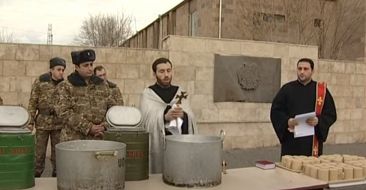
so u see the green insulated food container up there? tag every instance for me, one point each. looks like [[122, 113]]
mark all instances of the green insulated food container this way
[[16, 149], [125, 128]]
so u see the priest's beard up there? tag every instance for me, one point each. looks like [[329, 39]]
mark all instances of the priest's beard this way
[[165, 82], [303, 80]]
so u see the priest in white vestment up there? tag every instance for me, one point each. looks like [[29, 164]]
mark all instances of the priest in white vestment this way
[[163, 113]]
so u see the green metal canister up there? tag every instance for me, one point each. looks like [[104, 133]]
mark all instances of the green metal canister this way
[[125, 127], [16, 160], [137, 152], [17, 152]]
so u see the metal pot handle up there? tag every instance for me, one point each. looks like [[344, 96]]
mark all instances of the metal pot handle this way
[[224, 163], [104, 155]]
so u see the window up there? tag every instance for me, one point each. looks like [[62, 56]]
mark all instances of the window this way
[[318, 22], [194, 23], [279, 18], [268, 17], [257, 19], [173, 22]]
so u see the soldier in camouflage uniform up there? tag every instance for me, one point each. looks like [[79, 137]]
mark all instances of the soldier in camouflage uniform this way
[[83, 100], [42, 113], [100, 72]]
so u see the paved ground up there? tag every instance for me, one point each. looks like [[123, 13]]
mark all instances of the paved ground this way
[[246, 158]]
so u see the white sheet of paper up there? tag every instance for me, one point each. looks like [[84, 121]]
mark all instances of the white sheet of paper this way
[[303, 129]]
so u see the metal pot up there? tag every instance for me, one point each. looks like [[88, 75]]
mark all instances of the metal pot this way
[[193, 160], [90, 164]]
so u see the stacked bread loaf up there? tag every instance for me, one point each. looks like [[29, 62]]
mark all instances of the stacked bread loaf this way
[[297, 163], [328, 167]]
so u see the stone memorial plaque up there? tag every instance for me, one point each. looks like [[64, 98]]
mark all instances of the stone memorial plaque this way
[[246, 79]]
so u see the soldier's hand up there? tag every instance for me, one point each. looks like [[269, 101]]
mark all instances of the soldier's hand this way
[[312, 121], [99, 132], [30, 127], [95, 129], [100, 129]]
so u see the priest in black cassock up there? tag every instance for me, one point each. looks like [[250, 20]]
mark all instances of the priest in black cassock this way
[[162, 114], [299, 97]]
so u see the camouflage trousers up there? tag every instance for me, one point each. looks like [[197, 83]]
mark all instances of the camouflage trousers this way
[[41, 148]]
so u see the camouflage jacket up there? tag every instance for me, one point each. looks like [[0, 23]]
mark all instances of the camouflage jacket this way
[[115, 93], [41, 104], [82, 105]]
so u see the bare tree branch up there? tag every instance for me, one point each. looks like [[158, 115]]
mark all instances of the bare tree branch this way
[[105, 30], [6, 37], [338, 20], [331, 25]]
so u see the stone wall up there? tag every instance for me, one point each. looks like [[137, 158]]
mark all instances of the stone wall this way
[[247, 125], [347, 81]]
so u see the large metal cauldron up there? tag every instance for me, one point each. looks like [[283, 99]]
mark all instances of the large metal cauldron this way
[[90, 165], [193, 160]]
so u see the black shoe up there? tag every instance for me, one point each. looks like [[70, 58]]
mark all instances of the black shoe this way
[[37, 175], [54, 174]]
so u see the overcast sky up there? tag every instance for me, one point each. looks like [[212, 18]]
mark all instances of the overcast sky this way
[[28, 19]]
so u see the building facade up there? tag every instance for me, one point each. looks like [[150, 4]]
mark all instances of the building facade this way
[[336, 26]]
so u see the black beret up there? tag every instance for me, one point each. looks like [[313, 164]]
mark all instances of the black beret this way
[[82, 56], [57, 61]]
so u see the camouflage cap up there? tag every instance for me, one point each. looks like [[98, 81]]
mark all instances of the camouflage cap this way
[[57, 61], [79, 57]]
